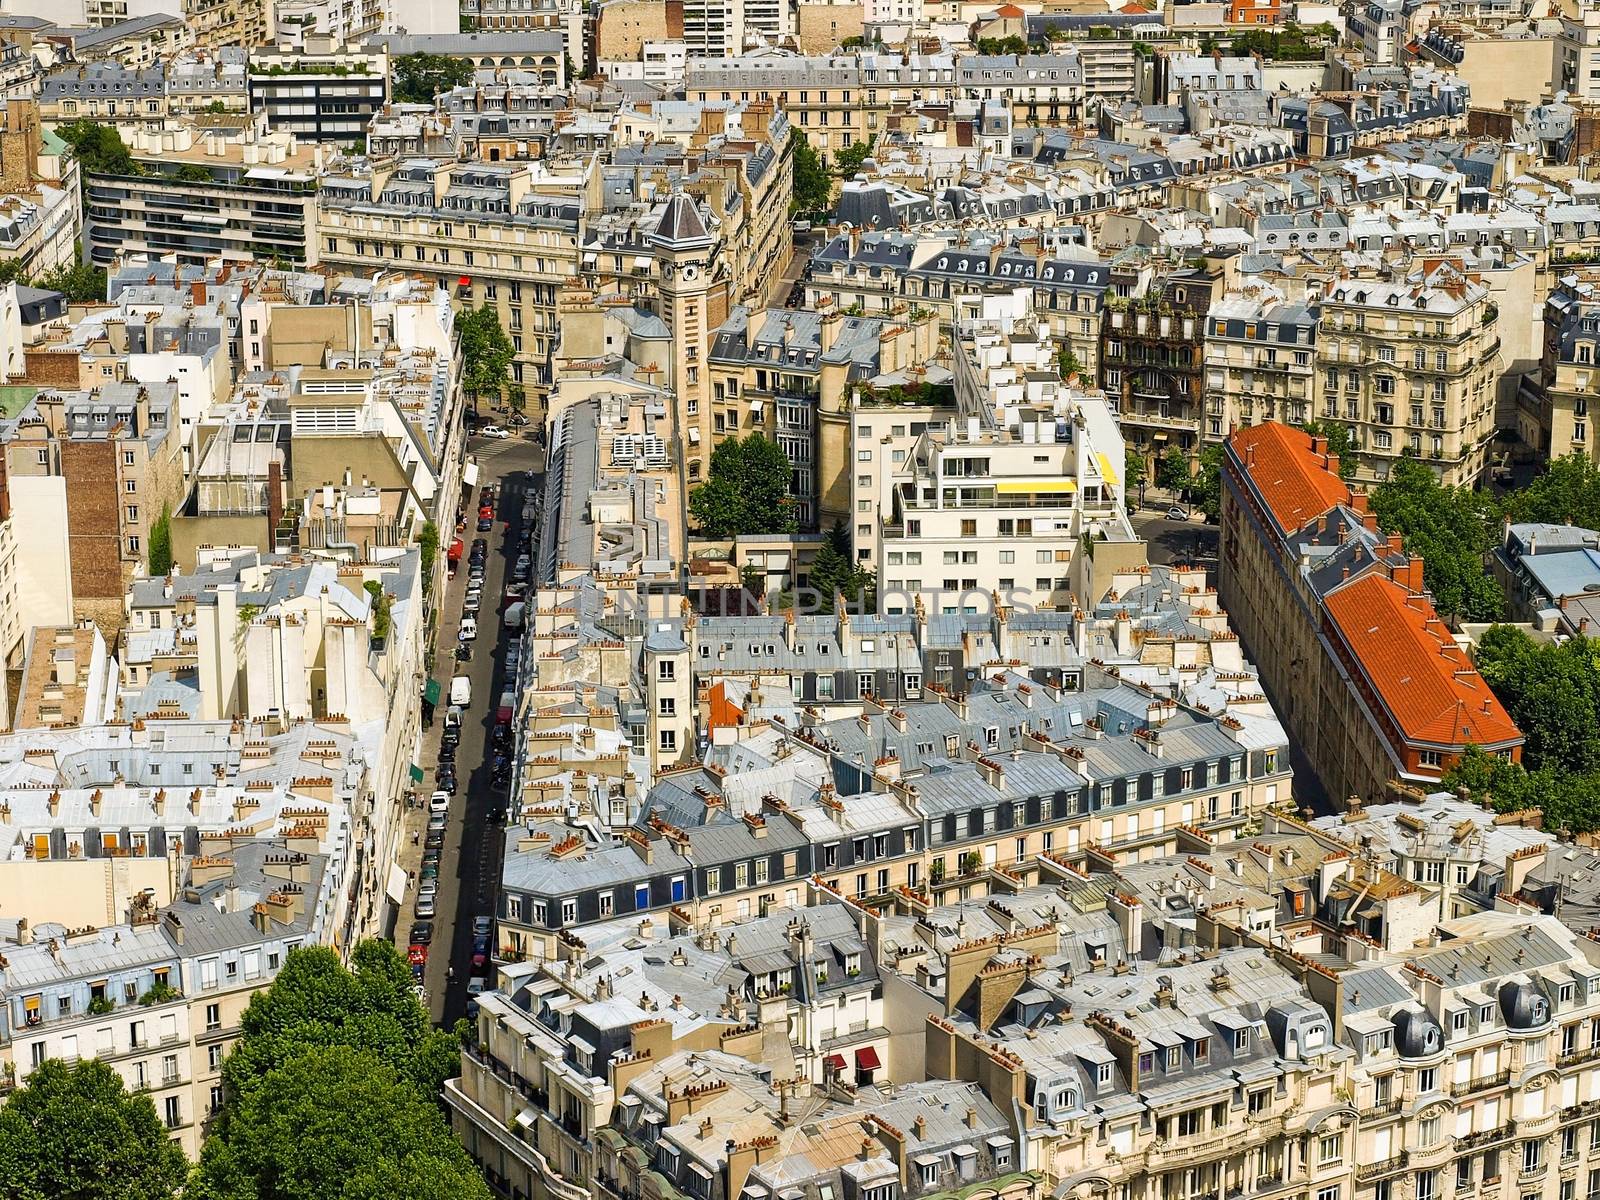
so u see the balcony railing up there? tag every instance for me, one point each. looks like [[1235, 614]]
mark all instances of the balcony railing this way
[[1387, 1167], [1481, 1083]]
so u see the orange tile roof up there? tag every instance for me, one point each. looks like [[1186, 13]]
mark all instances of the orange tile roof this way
[[1294, 481], [1428, 684], [1009, 12], [724, 713]]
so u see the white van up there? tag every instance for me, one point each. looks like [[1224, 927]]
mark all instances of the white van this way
[[514, 614], [461, 691], [469, 630]]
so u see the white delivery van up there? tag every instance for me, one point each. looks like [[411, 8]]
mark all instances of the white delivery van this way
[[514, 614], [461, 691]]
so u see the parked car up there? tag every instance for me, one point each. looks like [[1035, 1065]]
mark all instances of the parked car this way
[[447, 754], [469, 630], [493, 431], [460, 692], [439, 802], [485, 524], [483, 925], [424, 906], [434, 841], [422, 933], [1177, 514], [476, 985], [452, 719], [438, 820], [480, 943]]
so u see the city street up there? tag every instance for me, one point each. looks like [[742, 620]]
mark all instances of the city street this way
[[1171, 541], [470, 862]]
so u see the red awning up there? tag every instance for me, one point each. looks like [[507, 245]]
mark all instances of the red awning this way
[[867, 1059], [836, 1061], [456, 549], [466, 281]]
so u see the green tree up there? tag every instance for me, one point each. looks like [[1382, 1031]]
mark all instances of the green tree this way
[[1451, 529], [80, 283], [1068, 363], [421, 78], [1567, 493], [1551, 691], [335, 1121], [11, 272], [748, 491], [813, 189], [1015, 44], [428, 551], [1205, 489], [315, 1001], [1133, 467], [161, 544], [848, 161], [1172, 470], [835, 570], [192, 173], [1340, 441], [486, 352], [72, 1131], [98, 148]]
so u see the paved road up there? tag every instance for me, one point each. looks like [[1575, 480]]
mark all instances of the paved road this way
[[1172, 541], [470, 864]]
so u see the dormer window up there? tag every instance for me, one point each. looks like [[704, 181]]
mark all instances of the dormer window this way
[[1102, 1075]]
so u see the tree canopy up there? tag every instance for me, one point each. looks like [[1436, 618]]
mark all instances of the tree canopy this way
[[748, 491], [1568, 493], [486, 352], [813, 188], [315, 1001], [420, 78], [98, 148], [1552, 692], [834, 570], [1451, 529], [335, 1121], [333, 1089], [73, 1131], [848, 161]]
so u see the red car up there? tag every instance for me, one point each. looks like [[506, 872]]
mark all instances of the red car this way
[[417, 955]]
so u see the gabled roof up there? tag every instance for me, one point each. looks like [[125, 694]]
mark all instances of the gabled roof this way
[[1430, 688], [1294, 482]]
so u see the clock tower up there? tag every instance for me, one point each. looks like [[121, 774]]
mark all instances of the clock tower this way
[[693, 303]]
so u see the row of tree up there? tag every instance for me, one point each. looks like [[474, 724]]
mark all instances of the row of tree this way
[[332, 1090]]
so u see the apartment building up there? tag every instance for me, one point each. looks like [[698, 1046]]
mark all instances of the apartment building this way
[[257, 202], [145, 97], [1370, 683], [118, 451], [1553, 403], [823, 97], [1259, 362], [788, 373], [1115, 770], [142, 949], [497, 234], [320, 93], [1152, 355], [41, 212], [1410, 365], [1029, 466]]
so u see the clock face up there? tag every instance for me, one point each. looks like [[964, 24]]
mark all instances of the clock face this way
[[691, 271]]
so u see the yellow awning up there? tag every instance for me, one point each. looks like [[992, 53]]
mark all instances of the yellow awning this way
[[1107, 472], [1025, 487]]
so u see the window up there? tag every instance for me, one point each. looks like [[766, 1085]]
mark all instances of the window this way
[[213, 1017], [569, 911], [1330, 1147], [666, 670], [1427, 1080], [669, 741]]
